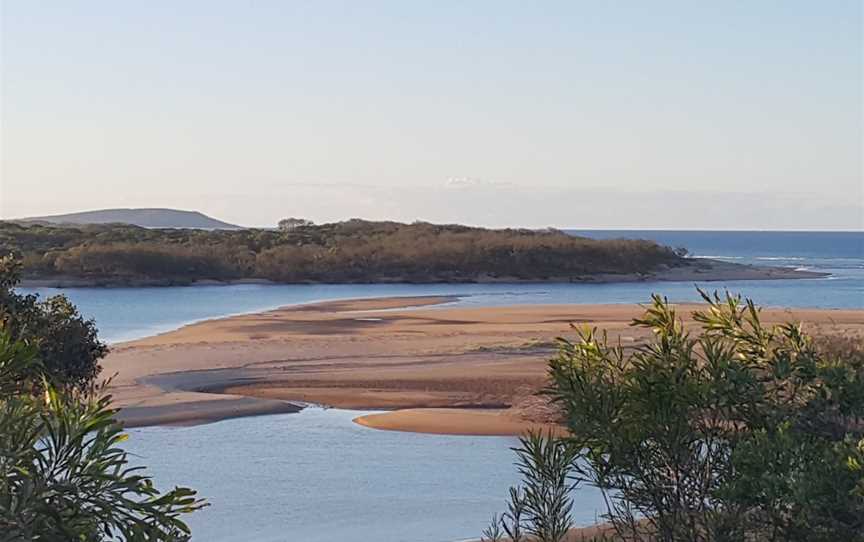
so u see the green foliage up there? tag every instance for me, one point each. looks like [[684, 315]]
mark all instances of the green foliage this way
[[855, 464], [493, 532], [18, 366], [742, 432], [63, 475], [68, 346], [513, 520], [350, 251], [545, 464], [541, 507]]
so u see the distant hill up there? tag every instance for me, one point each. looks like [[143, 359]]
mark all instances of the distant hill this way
[[145, 218]]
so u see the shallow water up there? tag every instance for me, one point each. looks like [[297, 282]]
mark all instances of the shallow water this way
[[318, 477], [129, 313]]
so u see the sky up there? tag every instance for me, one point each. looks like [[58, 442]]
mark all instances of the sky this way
[[666, 114]]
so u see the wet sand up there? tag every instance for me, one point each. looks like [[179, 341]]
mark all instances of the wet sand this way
[[455, 421], [441, 369]]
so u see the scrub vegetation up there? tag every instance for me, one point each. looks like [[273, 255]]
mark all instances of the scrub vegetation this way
[[735, 431], [63, 472], [68, 347], [351, 251]]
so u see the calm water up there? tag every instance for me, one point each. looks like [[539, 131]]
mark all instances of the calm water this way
[[318, 477], [315, 476], [128, 313]]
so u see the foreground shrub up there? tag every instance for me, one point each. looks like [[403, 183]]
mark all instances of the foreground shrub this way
[[67, 343], [540, 508], [63, 476], [740, 432]]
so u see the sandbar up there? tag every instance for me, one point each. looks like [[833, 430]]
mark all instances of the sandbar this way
[[437, 368]]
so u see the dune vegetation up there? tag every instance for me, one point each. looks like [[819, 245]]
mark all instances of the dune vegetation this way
[[735, 431], [350, 251]]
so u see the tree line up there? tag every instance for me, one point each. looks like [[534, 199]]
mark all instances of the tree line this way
[[349, 251]]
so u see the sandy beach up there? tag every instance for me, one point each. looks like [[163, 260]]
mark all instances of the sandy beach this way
[[437, 368]]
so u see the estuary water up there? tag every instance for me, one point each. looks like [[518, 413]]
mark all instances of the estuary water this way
[[315, 476], [318, 477]]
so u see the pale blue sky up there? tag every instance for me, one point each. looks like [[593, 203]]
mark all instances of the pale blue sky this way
[[687, 114]]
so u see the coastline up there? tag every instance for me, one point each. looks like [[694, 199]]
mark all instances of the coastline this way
[[696, 269], [452, 370]]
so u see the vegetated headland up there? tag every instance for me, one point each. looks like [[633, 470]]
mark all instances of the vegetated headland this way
[[353, 251]]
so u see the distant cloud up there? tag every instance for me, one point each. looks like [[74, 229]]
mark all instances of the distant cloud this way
[[467, 182]]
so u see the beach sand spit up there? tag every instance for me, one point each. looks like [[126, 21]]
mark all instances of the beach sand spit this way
[[438, 368]]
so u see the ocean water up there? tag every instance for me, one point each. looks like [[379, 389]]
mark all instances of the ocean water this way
[[829, 251], [129, 313], [318, 477]]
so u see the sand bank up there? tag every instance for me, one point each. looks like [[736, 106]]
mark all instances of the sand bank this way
[[456, 421], [376, 354]]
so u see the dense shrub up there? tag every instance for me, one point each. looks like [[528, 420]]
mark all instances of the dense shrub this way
[[351, 251], [68, 346], [740, 432], [63, 475]]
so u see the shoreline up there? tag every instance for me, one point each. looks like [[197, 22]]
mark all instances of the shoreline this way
[[451, 370], [696, 269]]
